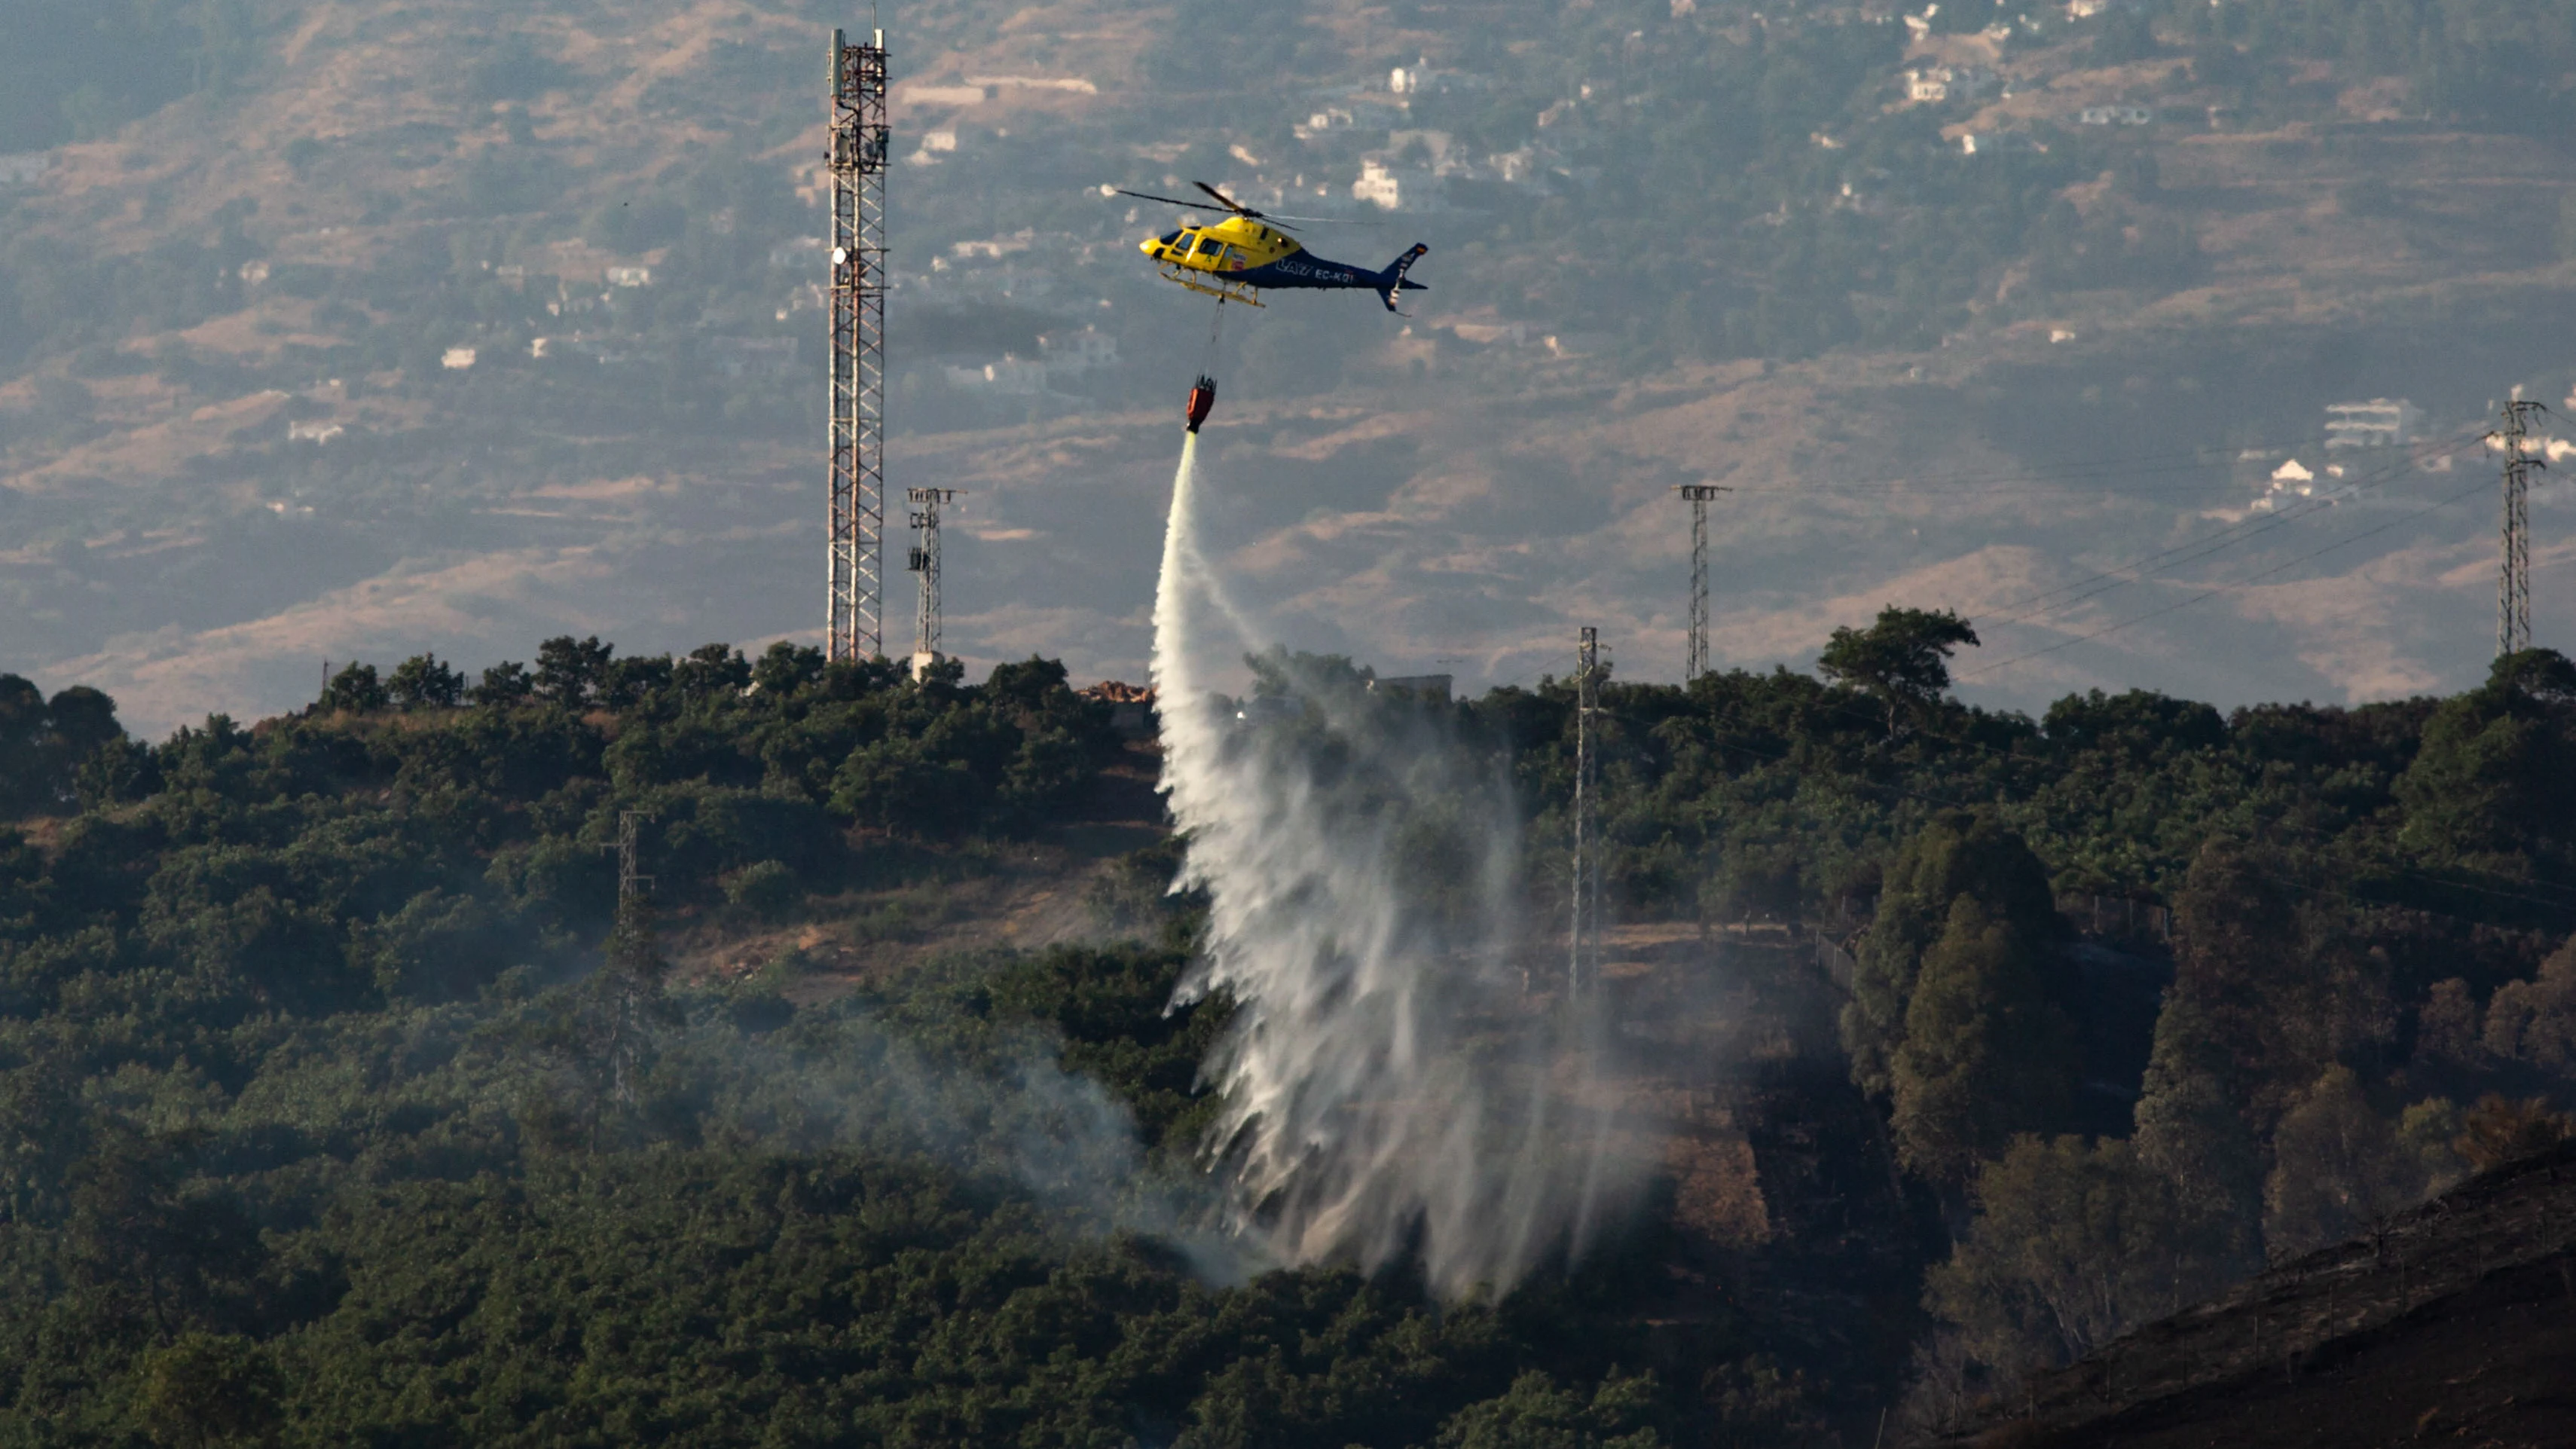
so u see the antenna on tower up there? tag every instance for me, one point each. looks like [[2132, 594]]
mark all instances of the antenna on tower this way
[[860, 143], [1583, 965], [1698, 495], [2513, 579], [926, 503]]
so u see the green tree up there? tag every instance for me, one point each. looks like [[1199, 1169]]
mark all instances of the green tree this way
[[354, 690], [570, 672], [503, 685], [1902, 660], [202, 1390], [2192, 1131], [2277, 990], [2494, 785], [1536, 1414], [1956, 855], [713, 671], [2337, 1168], [422, 682], [2073, 1244], [2535, 1021], [1986, 1052]]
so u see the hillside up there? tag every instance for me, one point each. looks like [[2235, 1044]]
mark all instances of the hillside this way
[[2448, 1322], [1946, 1047], [1669, 243]]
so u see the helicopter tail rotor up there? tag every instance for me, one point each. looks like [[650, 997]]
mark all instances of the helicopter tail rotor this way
[[1393, 280]]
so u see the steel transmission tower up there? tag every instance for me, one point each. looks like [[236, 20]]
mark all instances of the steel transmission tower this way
[[2513, 581], [631, 881], [1583, 966], [854, 622], [926, 503], [1697, 496]]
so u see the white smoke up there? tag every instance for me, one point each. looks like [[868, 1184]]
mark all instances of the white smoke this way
[[1389, 1087]]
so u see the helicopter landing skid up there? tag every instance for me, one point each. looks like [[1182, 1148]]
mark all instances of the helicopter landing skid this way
[[1223, 291]]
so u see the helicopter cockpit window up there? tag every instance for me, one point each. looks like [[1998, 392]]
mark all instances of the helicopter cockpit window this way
[[1171, 238]]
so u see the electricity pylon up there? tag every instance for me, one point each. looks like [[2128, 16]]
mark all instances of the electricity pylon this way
[[1698, 495], [1583, 966], [2513, 579]]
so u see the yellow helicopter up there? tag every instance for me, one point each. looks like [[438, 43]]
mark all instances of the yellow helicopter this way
[[1233, 260]]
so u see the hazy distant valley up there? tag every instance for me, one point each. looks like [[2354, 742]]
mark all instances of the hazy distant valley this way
[[1703, 246]]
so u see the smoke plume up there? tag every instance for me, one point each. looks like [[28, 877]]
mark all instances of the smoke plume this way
[[1390, 1087]]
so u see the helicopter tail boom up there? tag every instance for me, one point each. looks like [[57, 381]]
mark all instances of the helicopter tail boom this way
[[1392, 280]]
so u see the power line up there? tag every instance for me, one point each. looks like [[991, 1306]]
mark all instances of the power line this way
[[2207, 544], [2215, 591], [2073, 471]]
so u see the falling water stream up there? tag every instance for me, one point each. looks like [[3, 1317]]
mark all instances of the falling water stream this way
[[1389, 1088]]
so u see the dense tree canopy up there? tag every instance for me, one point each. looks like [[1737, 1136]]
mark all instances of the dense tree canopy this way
[[321, 1118]]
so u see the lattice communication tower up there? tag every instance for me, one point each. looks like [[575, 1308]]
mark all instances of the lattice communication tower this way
[[1583, 965], [2513, 580], [926, 503], [1698, 495], [854, 622]]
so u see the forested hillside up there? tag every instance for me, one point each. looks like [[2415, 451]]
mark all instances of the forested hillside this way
[[340, 1102], [329, 331]]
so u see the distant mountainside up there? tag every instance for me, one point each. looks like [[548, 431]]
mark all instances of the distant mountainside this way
[[366, 328]]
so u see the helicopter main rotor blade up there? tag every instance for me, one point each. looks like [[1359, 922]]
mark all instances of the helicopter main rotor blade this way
[[1230, 203], [1169, 200], [1274, 219]]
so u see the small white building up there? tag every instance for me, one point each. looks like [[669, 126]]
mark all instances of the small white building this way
[[1420, 79], [2115, 116], [457, 359], [1989, 143], [1390, 187], [1947, 82], [629, 276], [317, 431], [2382, 422], [2294, 481]]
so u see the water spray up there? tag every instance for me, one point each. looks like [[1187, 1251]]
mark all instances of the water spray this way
[[1388, 1091]]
